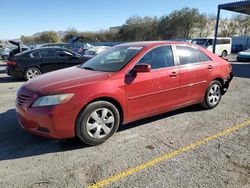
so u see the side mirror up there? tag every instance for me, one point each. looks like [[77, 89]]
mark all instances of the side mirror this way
[[142, 68]]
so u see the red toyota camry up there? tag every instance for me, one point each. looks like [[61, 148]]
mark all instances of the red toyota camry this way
[[123, 84]]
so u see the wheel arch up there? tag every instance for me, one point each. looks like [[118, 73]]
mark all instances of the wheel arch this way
[[224, 50], [113, 101], [222, 82], [35, 66]]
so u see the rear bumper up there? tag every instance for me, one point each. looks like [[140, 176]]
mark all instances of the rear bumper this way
[[14, 72], [227, 83]]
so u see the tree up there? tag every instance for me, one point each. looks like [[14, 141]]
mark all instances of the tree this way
[[205, 25], [137, 28], [89, 36], [227, 27], [48, 37], [27, 39], [242, 24], [209, 30], [179, 23], [72, 32], [106, 35]]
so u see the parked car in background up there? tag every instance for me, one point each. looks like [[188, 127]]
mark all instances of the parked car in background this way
[[4, 53], [223, 45], [244, 55], [79, 48], [93, 51], [20, 47], [32, 63], [61, 45], [123, 84]]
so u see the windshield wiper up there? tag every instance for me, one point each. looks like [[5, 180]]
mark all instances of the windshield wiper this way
[[88, 68]]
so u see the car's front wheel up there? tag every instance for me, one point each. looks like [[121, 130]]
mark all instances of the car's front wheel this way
[[213, 95], [31, 73], [97, 122]]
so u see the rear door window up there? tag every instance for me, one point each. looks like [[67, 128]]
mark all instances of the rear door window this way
[[187, 55], [203, 56], [64, 54], [47, 53]]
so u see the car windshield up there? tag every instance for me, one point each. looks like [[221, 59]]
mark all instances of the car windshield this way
[[113, 59], [199, 41]]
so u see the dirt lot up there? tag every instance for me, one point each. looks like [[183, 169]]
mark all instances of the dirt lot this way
[[29, 161]]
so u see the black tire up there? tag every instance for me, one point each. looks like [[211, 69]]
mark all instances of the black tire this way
[[36, 71], [86, 116], [224, 54], [206, 103]]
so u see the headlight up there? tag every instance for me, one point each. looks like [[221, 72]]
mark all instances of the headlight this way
[[52, 99]]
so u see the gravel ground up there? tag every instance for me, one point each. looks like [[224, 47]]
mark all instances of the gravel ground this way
[[30, 161]]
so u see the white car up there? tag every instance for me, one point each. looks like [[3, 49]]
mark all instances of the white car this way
[[91, 52], [223, 45]]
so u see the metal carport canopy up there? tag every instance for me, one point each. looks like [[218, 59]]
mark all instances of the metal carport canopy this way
[[239, 7]]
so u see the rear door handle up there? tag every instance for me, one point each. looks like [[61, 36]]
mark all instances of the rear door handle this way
[[210, 66], [173, 74]]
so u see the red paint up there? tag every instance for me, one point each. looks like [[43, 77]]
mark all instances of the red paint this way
[[149, 93]]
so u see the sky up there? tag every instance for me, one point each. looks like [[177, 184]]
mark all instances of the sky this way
[[26, 17]]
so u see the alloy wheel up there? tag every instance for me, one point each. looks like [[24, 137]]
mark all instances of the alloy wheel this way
[[32, 73], [214, 94], [100, 123]]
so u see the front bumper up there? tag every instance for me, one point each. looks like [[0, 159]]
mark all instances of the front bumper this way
[[56, 121], [46, 122]]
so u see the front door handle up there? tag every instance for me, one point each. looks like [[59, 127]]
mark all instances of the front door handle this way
[[173, 74]]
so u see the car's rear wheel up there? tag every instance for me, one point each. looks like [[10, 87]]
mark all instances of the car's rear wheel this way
[[224, 54], [97, 122], [31, 73], [213, 95]]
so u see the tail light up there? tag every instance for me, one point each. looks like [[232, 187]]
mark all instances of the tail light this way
[[230, 67], [11, 63]]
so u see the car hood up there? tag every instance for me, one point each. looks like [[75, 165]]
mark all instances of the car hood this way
[[56, 81]]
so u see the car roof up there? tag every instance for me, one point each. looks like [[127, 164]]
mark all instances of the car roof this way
[[212, 38], [151, 43], [51, 44], [47, 48], [96, 48]]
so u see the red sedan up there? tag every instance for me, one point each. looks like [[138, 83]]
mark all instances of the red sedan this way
[[123, 84]]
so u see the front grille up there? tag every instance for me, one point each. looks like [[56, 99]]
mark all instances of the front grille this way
[[22, 100]]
